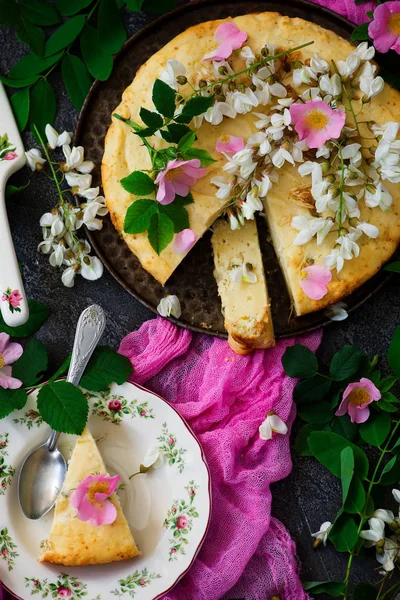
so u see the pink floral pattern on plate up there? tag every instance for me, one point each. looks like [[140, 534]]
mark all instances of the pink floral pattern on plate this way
[[180, 521], [7, 150], [138, 579], [30, 418], [168, 447], [6, 471], [8, 550], [65, 586], [113, 408], [13, 297]]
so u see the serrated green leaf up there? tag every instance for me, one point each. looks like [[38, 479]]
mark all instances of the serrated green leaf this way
[[299, 361], [39, 12], [63, 406], [184, 200], [65, 35], [33, 362], [111, 28], [175, 132], [364, 591], [360, 32], [38, 314], [187, 141], [164, 98], [137, 218], [31, 35], [138, 183], [76, 79], [178, 215], [98, 62], [194, 107], [327, 446], [393, 267], [376, 429], [346, 470], [43, 106], [311, 390], [320, 413], [151, 119], [105, 367], [11, 400], [205, 157], [160, 232], [394, 352], [30, 64], [20, 102], [19, 83], [68, 8], [344, 533], [345, 363], [62, 369]]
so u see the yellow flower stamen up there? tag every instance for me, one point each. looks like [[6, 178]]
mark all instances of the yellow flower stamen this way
[[359, 396], [2, 361], [303, 274], [394, 23], [100, 487], [316, 120], [175, 173]]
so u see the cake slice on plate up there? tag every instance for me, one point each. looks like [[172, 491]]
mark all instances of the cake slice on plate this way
[[239, 273], [73, 542]]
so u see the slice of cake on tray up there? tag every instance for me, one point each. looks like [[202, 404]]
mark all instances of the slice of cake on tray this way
[[74, 542], [239, 273]]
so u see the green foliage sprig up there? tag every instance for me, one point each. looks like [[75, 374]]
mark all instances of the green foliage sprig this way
[[80, 36], [335, 442]]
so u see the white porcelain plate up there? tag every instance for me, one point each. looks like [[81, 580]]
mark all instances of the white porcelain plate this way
[[168, 509]]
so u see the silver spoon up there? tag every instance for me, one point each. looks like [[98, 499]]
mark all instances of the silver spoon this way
[[43, 471]]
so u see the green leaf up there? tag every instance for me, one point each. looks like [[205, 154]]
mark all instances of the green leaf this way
[[175, 133], [160, 232], [334, 588], [77, 79], [364, 591], [43, 106], [164, 98], [158, 7], [187, 141], [20, 102], [112, 32], [389, 397], [105, 367], [38, 314], [32, 36], [98, 62], [391, 472], [137, 218], [376, 429], [11, 400], [386, 384], [65, 35], [33, 362], [30, 64], [14, 190], [385, 406], [394, 352], [301, 443], [184, 200], [67, 8], [320, 413], [344, 533], [151, 119], [9, 13], [62, 369], [194, 107], [204, 156], [360, 33], [346, 470], [345, 363], [134, 5], [311, 390], [63, 406], [355, 500], [299, 361], [39, 12], [138, 183], [327, 446], [344, 427], [178, 215], [394, 267], [19, 83]]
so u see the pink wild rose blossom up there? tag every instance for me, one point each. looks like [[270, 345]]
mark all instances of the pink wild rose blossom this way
[[229, 144], [9, 353], [177, 178], [316, 122], [91, 499], [184, 240], [314, 280], [15, 298], [230, 38], [385, 27], [64, 592], [356, 398], [182, 522]]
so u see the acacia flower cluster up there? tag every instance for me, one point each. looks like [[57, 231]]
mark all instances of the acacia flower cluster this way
[[60, 225]]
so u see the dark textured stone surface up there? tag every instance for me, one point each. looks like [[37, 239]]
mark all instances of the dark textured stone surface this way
[[310, 495]]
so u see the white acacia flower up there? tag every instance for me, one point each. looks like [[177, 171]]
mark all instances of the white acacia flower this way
[[348, 247], [153, 458], [263, 186], [54, 221], [260, 139], [370, 230], [91, 268], [389, 556], [224, 188], [334, 260], [279, 121], [396, 495], [173, 69], [318, 64], [351, 151], [56, 258], [272, 424], [378, 196], [170, 305], [364, 51], [55, 139], [280, 156], [68, 277], [218, 111], [349, 66], [75, 159], [47, 245], [308, 228], [303, 75], [323, 151], [308, 167], [323, 532], [388, 131], [34, 159], [311, 93], [242, 103], [384, 515], [89, 193], [243, 159], [248, 55], [369, 84], [263, 120], [331, 85], [253, 200], [375, 533], [337, 312], [233, 221], [81, 182], [243, 274]]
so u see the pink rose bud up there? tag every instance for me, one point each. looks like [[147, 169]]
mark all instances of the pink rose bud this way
[[11, 156], [182, 522]]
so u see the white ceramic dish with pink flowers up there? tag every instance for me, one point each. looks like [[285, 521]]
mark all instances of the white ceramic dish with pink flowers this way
[[168, 508]]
